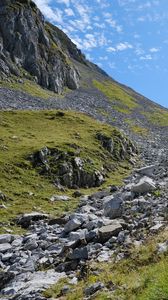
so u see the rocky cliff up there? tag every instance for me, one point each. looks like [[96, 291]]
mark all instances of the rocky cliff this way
[[35, 49]]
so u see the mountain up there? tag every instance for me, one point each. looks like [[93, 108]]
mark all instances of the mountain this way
[[83, 172], [36, 57]]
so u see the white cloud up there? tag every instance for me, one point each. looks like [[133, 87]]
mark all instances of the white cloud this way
[[123, 46], [146, 57], [69, 12], [154, 50], [120, 47], [111, 49]]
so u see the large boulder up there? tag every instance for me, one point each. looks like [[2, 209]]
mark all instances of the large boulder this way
[[113, 206], [147, 170], [106, 232], [144, 185]]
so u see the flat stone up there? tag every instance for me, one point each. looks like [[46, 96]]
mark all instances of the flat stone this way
[[106, 232], [59, 198], [5, 247], [156, 227], [27, 283]]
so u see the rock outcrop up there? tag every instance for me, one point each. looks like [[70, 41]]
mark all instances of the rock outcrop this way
[[70, 169], [31, 48]]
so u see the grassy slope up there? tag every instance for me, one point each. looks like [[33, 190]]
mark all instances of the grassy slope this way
[[123, 102], [143, 276], [120, 99], [22, 133]]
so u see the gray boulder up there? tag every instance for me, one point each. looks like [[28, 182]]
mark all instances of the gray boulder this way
[[106, 232], [5, 238], [145, 185], [5, 247], [113, 206], [147, 171], [72, 224], [79, 253]]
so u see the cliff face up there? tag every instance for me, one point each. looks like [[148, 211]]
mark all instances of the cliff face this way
[[32, 48]]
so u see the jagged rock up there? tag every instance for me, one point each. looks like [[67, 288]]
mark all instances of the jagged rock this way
[[31, 245], [92, 289], [79, 253], [72, 224], [113, 206], [36, 47], [6, 238], [78, 235], [26, 219], [5, 278], [106, 232], [66, 169], [144, 185]]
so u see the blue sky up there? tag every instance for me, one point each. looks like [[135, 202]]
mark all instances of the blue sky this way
[[127, 38]]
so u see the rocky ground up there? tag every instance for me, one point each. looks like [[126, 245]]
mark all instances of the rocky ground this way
[[104, 227]]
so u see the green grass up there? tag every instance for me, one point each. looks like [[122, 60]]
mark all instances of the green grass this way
[[136, 128], [28, 87], [158, 117], [121, 100], [143, 276], [24, 132]]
